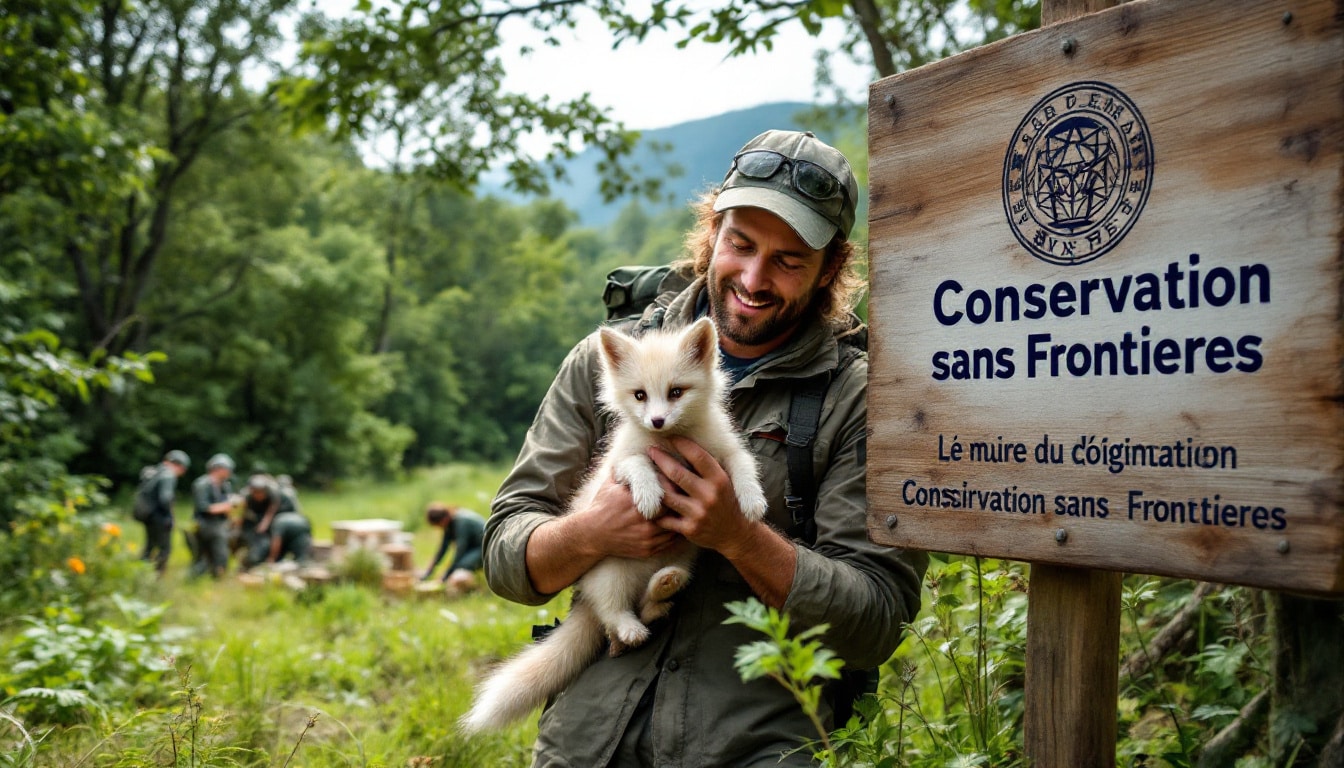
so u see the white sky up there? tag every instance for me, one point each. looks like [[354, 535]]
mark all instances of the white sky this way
[[654, 84]]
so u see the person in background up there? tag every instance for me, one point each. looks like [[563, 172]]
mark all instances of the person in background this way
[[287, 488], [264, 500], [291, 534], [213, 499], [154, 502], [464, 529]]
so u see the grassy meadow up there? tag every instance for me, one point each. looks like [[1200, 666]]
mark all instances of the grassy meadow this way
[[206, 673], [382, 677]]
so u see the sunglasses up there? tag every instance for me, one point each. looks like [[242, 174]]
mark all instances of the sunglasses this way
[[808, 178]]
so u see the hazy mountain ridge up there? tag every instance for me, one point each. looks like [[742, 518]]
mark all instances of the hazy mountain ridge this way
[[689, 157]]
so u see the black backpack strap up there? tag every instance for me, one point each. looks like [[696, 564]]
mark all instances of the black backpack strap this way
[[804, 419]]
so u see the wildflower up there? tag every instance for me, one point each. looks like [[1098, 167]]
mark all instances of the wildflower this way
[[76, 565], [112, 529]]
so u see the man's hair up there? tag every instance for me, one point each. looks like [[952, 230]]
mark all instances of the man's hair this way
[[436, 512], [833, 302]]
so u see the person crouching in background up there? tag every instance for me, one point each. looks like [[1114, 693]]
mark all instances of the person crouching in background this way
[[465, 530]]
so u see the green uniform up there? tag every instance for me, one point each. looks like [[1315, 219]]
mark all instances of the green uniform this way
[[677, 700], [466, 531], [255, 510], [159, 524], [212, 531], [295, 534]]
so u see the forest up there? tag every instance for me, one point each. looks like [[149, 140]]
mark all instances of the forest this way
[[199, 250]]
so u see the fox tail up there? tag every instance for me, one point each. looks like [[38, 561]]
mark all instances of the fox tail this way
[[539, 672]]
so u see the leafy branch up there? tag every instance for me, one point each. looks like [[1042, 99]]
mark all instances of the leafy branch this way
[[798, 663]]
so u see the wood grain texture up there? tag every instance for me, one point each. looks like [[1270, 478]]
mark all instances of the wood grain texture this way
[[1071, 687], [1243, 119]]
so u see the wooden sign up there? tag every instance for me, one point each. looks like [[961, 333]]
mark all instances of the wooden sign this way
[[1106, 296]]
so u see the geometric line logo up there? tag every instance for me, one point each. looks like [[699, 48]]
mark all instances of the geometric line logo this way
[[1077, 173]]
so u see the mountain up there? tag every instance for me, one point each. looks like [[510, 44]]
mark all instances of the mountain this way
[[689, 157]]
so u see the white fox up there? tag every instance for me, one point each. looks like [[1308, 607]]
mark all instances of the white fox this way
[[660, 385]]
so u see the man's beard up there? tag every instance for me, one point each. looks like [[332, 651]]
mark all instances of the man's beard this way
[[749, 333]]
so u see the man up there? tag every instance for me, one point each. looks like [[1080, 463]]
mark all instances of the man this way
[[213, 499], [154, 502], [772, 265], [465, 529], [290, 534], [263, 502]]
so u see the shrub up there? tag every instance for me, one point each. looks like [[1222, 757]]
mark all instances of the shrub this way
[[65, 669]]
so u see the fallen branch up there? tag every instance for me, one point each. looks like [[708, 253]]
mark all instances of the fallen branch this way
[[1170, 637], [1223, 748]]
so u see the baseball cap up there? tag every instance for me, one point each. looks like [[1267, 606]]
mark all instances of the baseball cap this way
[[219, 460], [178, 457], [799, 178]]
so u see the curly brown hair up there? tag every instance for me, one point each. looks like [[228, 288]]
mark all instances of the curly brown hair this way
[[833, 303]]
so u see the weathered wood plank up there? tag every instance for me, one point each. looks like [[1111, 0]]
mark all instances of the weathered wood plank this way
[[1071, 687], [1237, 159]]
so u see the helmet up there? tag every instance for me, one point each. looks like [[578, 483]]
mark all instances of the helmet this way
[[178, 457], [219, 460], [258, 481]]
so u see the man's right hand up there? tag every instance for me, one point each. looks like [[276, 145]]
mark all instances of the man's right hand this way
[[614, 527], [562, 550]]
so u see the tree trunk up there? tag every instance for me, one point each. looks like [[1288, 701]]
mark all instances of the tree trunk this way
[[1308, 686], [870, 20]]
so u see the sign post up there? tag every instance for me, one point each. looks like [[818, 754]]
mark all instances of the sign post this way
[[1107, 319]]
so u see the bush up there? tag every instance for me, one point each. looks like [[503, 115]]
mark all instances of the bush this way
[[65, 669]]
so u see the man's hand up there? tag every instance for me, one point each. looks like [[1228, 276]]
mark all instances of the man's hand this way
[[700, 498], [615, 528], [563, 549], [702, 506]]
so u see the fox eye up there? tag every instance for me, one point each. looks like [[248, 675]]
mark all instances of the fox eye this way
[[640, 395], [674, 393]]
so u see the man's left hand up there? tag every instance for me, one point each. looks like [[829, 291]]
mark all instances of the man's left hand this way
[[700, 501]]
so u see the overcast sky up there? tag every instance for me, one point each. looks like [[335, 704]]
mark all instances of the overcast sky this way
[[654, 84]]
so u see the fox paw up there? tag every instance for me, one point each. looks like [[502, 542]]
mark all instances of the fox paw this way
[[648, 498], [630, 633], [666, 583], [752, 503]]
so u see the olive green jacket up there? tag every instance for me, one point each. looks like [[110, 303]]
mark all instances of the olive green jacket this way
[[703, 714]]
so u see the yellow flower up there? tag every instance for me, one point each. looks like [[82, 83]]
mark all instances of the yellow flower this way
[[112, 529], [76, 565]]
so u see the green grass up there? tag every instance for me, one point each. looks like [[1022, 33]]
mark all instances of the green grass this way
[[387, 676], [382, 678]]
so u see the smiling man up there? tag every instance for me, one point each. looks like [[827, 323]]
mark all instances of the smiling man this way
[[771, 262]]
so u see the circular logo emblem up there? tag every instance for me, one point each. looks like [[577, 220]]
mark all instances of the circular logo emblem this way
[[1077, 173]]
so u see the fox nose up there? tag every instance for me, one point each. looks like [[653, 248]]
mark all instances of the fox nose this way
[[657, 422]]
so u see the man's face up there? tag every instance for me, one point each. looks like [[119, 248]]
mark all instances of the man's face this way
[[762, 279], [220, 474]]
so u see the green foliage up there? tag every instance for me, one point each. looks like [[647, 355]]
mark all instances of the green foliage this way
[[799, 663], [65, 668], [429, 73], [952, 694], [362, 566]]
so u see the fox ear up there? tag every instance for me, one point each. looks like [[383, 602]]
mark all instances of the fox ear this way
[[615, 347], [701, 342]]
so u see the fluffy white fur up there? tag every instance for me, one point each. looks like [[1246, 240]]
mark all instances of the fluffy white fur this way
[[660, 385]]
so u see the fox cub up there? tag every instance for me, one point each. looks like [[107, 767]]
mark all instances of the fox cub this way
[[661, 385]]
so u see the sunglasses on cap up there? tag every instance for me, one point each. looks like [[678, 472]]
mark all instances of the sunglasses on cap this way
[[808, 178]]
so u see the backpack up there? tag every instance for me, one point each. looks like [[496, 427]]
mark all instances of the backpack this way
[[632, 289], [145, 503]]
